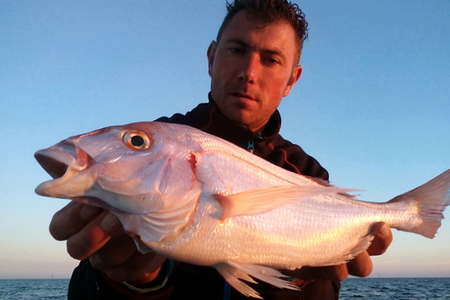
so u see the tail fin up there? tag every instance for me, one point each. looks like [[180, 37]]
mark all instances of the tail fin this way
[[429, 200]]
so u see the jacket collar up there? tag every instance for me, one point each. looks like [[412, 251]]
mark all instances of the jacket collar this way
[[220, 125]]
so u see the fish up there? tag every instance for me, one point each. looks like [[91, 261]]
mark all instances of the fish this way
[[196, 198]]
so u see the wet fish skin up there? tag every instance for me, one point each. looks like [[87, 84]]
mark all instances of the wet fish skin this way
[[197, 198]]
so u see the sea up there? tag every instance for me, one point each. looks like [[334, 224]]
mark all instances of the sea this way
[[352, 288]]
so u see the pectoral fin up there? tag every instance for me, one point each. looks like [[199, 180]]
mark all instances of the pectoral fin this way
[[258, 201]]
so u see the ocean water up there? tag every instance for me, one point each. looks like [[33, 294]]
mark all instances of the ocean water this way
[[396, 288], [353, 288], [33, 289]]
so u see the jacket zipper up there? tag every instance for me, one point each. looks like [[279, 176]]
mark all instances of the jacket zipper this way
[[251, 146]]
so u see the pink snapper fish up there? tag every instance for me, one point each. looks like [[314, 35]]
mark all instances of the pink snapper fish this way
[[194, 197]]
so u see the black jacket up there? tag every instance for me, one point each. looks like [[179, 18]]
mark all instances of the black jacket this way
[[195, 282]]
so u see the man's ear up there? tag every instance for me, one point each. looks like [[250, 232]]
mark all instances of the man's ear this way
[[211, 54], [295, 76]]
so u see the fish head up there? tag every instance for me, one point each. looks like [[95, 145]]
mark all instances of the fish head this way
[[132, 168]]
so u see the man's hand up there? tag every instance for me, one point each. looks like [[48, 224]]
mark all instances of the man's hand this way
[[360, 266], [96, 234]]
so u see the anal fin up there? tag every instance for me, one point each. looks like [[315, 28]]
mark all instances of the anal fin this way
[[234, 273]]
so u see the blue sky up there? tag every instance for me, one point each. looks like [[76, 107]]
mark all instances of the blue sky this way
[[373, 103]]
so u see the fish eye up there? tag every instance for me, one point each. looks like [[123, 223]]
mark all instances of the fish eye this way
[[136, 140]]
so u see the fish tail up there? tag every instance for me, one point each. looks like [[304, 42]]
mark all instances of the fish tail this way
[[426, 205]]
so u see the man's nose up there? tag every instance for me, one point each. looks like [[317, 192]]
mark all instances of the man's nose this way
[[250, 68]]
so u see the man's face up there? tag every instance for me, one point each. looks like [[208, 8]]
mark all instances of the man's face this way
[[252, 68]]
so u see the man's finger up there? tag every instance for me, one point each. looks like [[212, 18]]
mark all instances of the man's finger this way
[[139, 269], [361, 265], [93, 236], [382, 239], [116, 252], [338, 272], [71, 219]]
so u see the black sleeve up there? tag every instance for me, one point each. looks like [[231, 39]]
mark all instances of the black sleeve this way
[[89, 284], [83, 283]]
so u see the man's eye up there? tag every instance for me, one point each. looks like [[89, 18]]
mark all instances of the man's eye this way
[[272, 61], [235, 50]]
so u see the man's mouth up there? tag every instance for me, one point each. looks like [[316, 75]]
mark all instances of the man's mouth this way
[[243, 95]]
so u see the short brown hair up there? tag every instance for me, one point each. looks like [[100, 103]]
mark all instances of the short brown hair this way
[[269, 11]]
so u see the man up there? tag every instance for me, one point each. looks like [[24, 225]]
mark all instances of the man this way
[[253, 64]]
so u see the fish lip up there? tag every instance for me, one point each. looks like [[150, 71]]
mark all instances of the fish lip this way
[[63, 155], [62, 162]]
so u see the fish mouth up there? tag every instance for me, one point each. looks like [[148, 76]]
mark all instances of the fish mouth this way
[[62, 162]]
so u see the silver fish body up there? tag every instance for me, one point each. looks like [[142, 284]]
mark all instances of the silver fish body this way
[[199, 199]]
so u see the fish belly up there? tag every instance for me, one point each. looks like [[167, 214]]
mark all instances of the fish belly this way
[[319, 232]]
